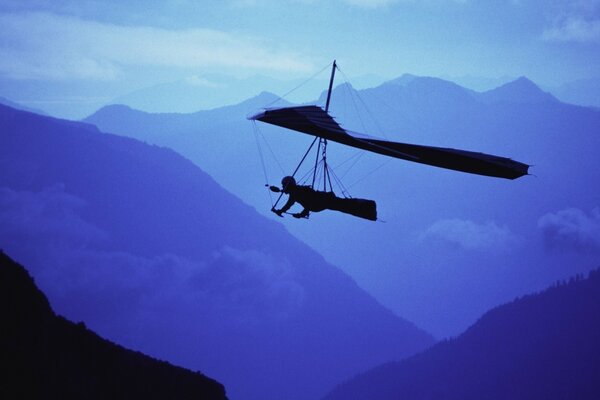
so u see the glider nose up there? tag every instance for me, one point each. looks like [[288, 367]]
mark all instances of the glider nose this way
[[256, 116]]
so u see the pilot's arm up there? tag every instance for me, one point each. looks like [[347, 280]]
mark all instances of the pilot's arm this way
[[287, 206]]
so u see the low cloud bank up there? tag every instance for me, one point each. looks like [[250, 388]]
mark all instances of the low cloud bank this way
[[469, 235], [571, 229]]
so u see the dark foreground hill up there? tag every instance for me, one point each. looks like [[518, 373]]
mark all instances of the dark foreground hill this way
[[543, 346], [45, 356], [148, 251]]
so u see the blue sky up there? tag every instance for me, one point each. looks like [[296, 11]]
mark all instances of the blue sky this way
[[548, 41], [65, 54]]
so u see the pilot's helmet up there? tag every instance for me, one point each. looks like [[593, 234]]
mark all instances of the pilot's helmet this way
[[288, 182]]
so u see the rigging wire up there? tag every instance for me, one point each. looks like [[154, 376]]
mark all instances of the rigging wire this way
[[352, 97], [321, 172], [371, 172], [262, 161], [355, 158], [257, 132], [299, 86], [271, 151], [364, 104], [298, 167], [339, 183]]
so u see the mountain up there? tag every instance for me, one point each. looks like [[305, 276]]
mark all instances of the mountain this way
[[542, 346], [403, 80], [521, 90], [18, 106], [152, 253], [479, 83], [214, 90], [152, 127], [583, 92], [197, 93], [440, 225], [46, 356]]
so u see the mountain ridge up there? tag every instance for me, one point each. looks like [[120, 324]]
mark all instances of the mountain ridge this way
[[58, 358], [522, 90], [164, 239], [557, 138], [542, 345]]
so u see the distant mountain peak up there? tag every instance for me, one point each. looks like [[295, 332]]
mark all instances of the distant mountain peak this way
[[117, 107], [266, 96], [428, 85], [521, 90], [522, 80], [403, 80], [341, 88], [263, 100]]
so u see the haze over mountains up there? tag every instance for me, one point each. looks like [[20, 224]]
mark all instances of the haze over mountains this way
[[78, 99], [153, 254], [541, 346], [453, 245], [209, 91], [46, 356]]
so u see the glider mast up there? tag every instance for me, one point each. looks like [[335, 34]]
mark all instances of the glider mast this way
[[330, 85], [323, 141]]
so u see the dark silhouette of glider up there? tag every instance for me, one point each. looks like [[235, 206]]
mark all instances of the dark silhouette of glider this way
[[315, 201], [316, 121]]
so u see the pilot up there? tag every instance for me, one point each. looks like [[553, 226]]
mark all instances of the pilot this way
[[309, 198]]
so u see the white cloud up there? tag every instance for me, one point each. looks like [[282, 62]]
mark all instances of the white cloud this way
[[469, 235], [574, 21], [384, 3], [574, 29], [571, 229], [367, 4], [370, 3], [195, 80], [43, 45]]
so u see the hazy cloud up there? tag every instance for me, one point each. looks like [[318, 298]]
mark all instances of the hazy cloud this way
[[574, 29], [195, 80], [370, 3], [44, 45], [70, 261], [576, 21], [251, 280], [385, 3], [571, 229], [50, 215], [469, 235]]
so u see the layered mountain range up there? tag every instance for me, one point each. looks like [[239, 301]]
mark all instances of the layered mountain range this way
[[441, 226], [150, 252]]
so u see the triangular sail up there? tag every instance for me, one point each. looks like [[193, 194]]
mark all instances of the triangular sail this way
[[313, 120]]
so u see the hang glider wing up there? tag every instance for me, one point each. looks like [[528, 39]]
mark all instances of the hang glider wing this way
[[313, 120]]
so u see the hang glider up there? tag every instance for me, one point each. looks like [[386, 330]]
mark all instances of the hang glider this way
[[315, 121]]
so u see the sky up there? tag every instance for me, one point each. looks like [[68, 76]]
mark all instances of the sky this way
[[69, 58], [92, 51]]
